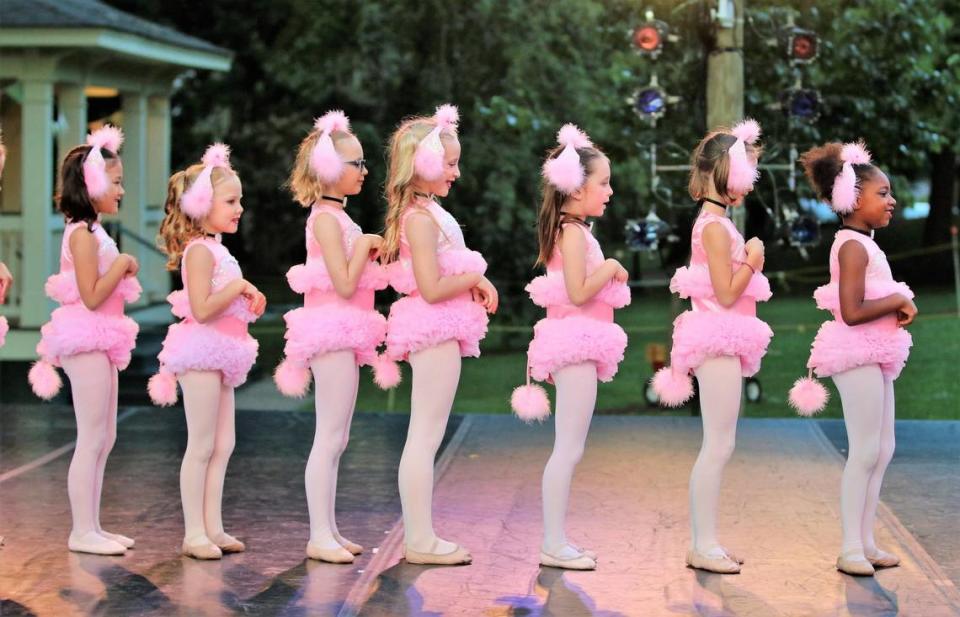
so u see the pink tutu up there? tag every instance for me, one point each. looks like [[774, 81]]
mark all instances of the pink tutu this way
[[74, 329], [550, 290], [699, 335], [313, 276], [572, 340], [451, 262], [316, 331], [839, 347], [828, 296], [415, 324], [190, 346], [4, 328], [62, 288], [694, 282]]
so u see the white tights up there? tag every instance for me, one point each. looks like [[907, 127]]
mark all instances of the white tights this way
[[209, 408], [868, 413], [720, 381], [336, 378], [436, 374], [93, 382], [576, 398]]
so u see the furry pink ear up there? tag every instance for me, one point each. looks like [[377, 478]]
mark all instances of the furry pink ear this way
[[197, 200], [325, 163], [743, 172], [428, 159], [565, 172], [845, 192], [94, 167]]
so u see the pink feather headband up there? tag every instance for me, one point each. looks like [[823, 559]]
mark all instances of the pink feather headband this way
[[428, 159], [845, 190], [197, 200], [325, 163], [565, 172], [94, 166], [743, 172]]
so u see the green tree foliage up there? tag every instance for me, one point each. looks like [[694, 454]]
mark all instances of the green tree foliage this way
[[520, 69]]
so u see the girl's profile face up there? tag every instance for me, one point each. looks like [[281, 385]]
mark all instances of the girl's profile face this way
[[351, 180], [224, 216], [597, 188], [109, 202], [876, 204], [451, 168]]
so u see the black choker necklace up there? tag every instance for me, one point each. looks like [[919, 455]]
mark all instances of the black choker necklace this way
[[207, 234], [869, 234], [713, 201], [569, 218], [339, 200], [423, 195]]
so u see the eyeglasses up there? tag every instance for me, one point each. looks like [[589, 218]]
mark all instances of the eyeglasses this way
[[360, 164]]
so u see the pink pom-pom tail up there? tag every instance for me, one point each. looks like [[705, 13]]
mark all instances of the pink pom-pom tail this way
[[386, 372], [531, 403], [292, 380], [808, 396], [672, 389], [162, 389], [44, 380]]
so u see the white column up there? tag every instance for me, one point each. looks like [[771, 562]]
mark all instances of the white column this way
[[37, 191], [134, 156], [72, 106], [155, 279]]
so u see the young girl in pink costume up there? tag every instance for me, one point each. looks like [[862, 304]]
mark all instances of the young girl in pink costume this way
[[442, 316], [88, 335], [720, 340], [338, 328], [578, 342], [6, 279], [209, 352], [864, 347]]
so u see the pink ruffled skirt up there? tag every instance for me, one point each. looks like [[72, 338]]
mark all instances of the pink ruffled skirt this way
[[315, 331], [573, 340], [4, 328], [699, 335], [192, 346], [75, 329], [839, 347], [415, 324]]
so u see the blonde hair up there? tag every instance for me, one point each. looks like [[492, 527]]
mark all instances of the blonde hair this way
[[398, 188], [303, 183], [550, 218], [178, 229], [710, 157]]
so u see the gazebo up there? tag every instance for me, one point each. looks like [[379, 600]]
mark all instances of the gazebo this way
[[66, 66]]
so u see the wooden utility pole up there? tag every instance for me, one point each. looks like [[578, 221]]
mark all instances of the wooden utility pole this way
[[725, 75]]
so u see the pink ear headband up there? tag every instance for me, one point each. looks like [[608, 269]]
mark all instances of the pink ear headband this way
[[94, 167], [197, 200], [428, 160], [845, 190], [743, 172], [324, 160], [565, 172]]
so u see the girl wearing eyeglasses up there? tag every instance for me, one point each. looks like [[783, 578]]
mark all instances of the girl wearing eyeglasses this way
[[337, 329]]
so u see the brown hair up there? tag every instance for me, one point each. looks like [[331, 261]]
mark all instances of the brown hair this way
[[303, 183], [822, 165], [550, 217], [400, 174], [710, 158], [72, 198], [178, 229]]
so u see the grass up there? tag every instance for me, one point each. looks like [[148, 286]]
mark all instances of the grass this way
[[929, 387]]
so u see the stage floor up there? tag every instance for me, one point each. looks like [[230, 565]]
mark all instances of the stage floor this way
[[628, 503]]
